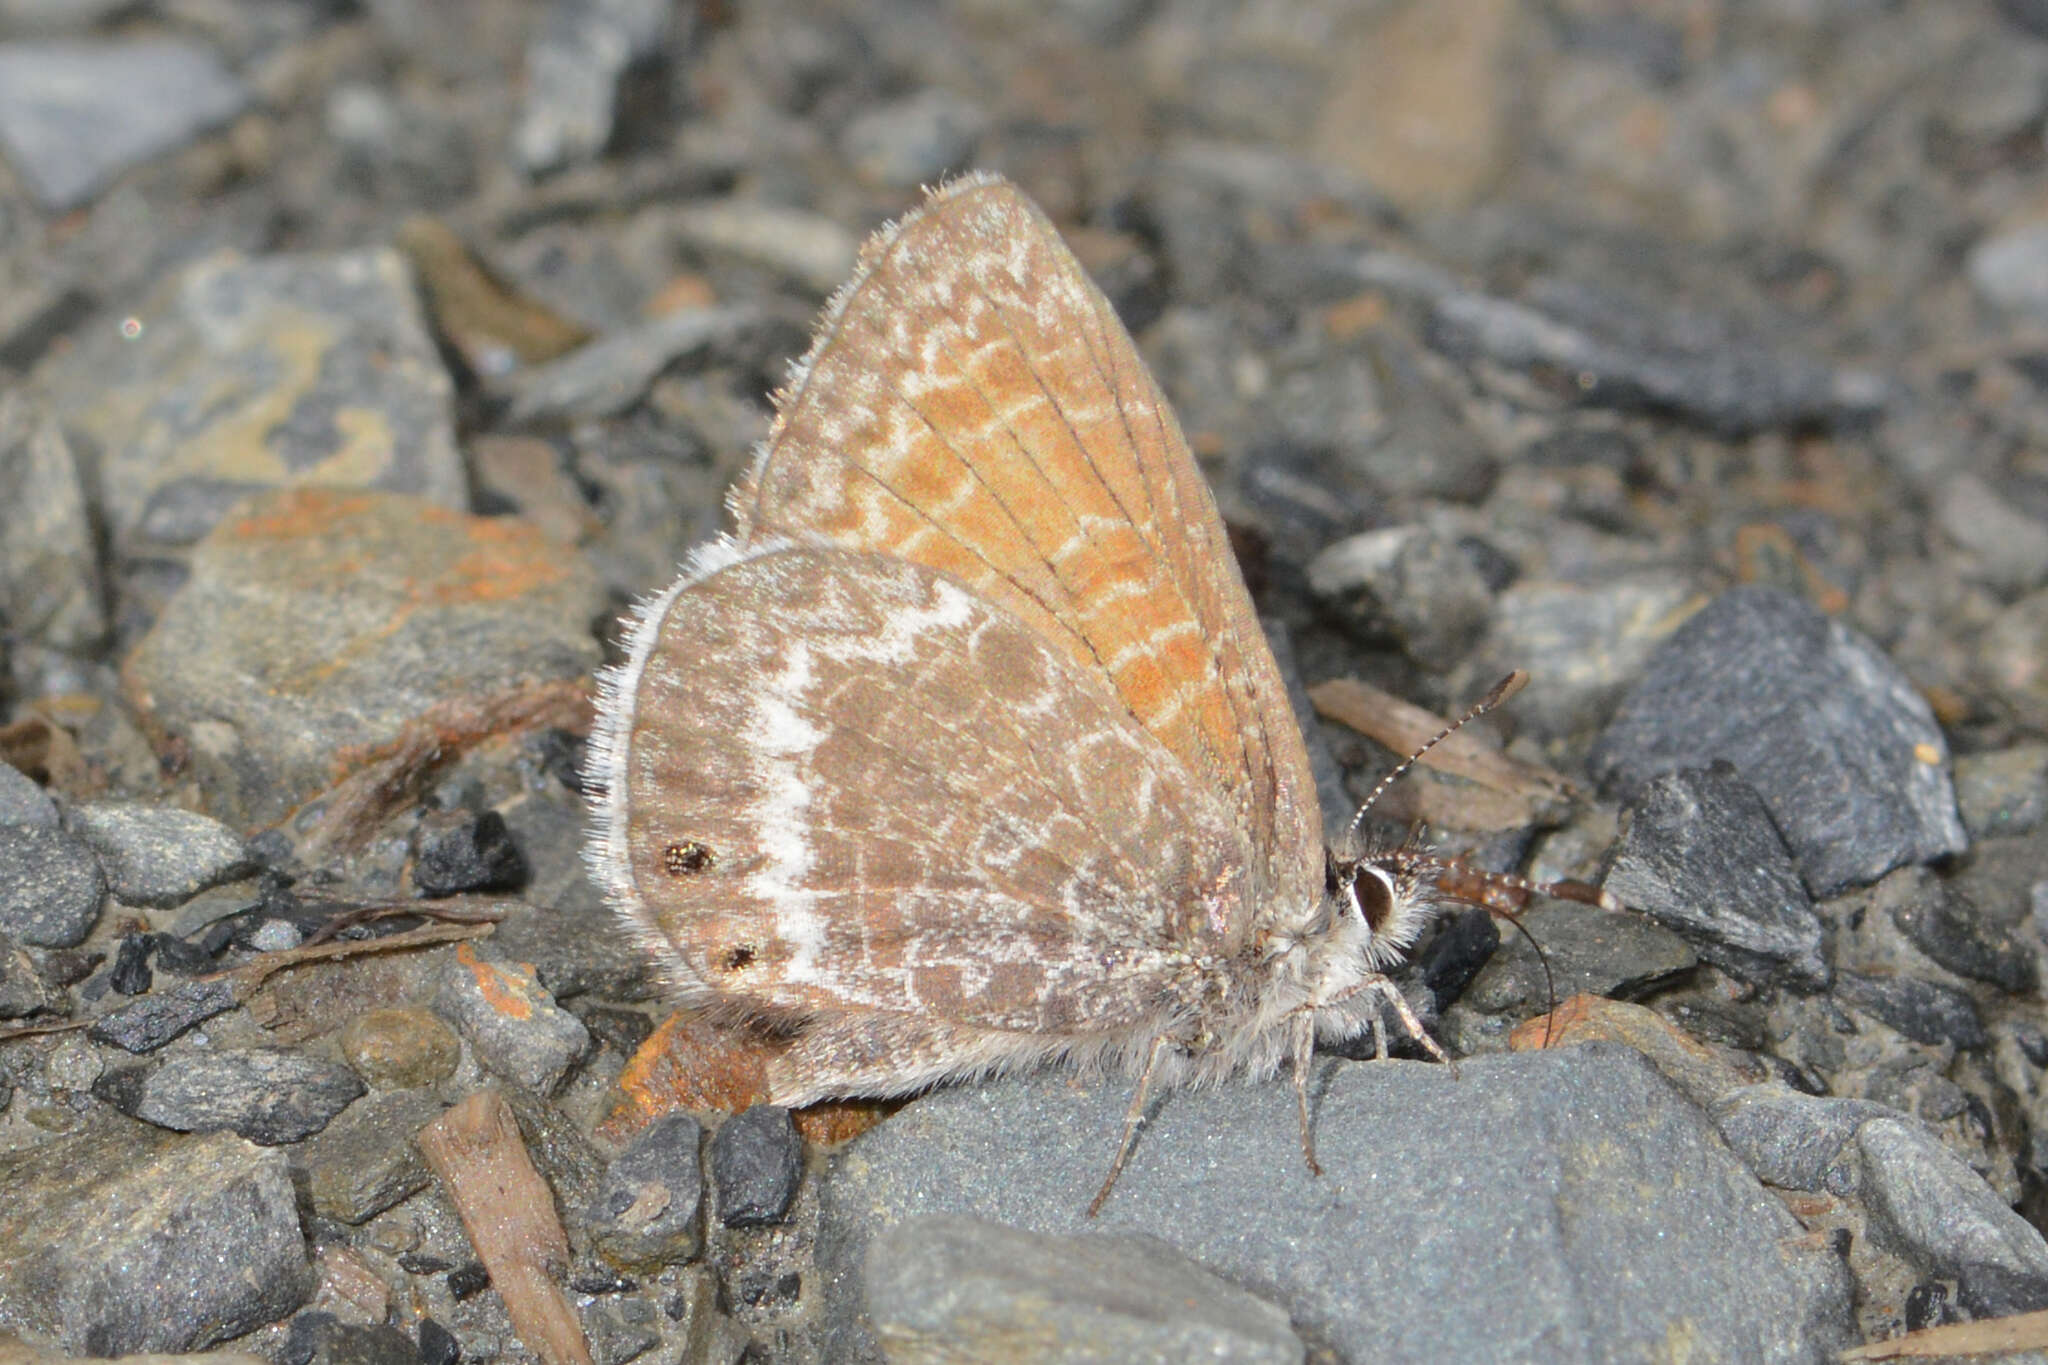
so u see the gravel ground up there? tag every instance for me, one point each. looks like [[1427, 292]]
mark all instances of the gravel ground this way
[[361, 363]]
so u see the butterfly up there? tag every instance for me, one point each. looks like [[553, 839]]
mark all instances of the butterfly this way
[[964, 750]]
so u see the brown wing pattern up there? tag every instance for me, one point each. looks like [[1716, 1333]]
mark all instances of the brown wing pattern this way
[[974, 405], [850, 785]]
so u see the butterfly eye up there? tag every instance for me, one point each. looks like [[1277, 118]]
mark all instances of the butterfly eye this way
[[1373, 892]]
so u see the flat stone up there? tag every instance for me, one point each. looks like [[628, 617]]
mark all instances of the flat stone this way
[[319, 624], [573, 66], [1634, 354], [2001, 545], [1421, 585], [22, 991], [949, 1286], [160, 856], [611, 374], [2003, 793], [646, 1212], [757, 1160], [2012, 657], [50, 584], [51, 886], [459, 850], [157, 1018], [511, 1021], [1700, 855], [1925, 1011], [916, 140], [1589, 951], [74, 115], [245, 375], [1947, 1221], [269, 1097], [815, 251], [397, 1049], [1585, 643], [1955, 933], [1561, 1204], [1795, 1141], [22, 802], [1842, 748], [131, 1239], [364, 1161]]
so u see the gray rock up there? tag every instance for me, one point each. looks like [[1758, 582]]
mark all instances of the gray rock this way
[[147, 1024], [1947, 1221], [573, 66], [459, 850], [611, 374], [1925, 1011], [815, 251], [646, 1212], [2010, 270], [323, 623], [1840, 745], [757, 1160], [1422, 586], [1382, 417], [364, 1161], [74, 115], [1795, 1141], [1557, 1205], [160, 856], [51, 886], [1588, 951], [951, 1288], [2012, 657], [269, 1097], [245, 375], [533, 1042], [1632, 354], [22, 991], [1584, 645], [130, 1239], [2002, 793], [2006, 548], [22, 802], [50, 585], [1956, 934], [917, 140], [1700, 855]]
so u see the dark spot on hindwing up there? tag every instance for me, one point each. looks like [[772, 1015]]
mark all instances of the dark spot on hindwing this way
[[737, 957], [687, 858]]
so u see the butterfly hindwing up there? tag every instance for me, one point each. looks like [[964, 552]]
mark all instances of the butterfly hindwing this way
[[846, 783]]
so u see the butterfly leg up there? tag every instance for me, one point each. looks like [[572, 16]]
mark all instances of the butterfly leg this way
[[1132, 1118], [1304, 1030], [1383, 986]]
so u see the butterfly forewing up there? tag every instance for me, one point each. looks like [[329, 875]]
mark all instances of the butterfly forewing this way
[[892, 796], [974, 405]]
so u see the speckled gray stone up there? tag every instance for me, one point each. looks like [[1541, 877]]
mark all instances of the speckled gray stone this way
[[73, 115], [267, 1096], [160, 856], [1843, 749], [51, 885], [953, 1288], [129, 1239], [1948, 1222], [1566, 1204]]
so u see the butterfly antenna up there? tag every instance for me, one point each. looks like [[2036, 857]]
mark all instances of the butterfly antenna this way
[[1549, 981], [1502, 690]]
